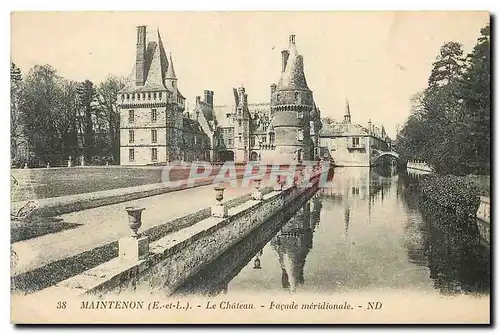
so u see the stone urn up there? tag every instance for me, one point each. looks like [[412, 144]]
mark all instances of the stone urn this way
[[219, 193], [257, 183], [256, 263], [134, 219]]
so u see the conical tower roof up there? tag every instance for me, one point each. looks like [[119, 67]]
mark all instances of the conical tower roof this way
[[171, 70], [293, 76]]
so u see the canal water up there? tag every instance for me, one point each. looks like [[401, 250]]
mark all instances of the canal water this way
[[365, 233]]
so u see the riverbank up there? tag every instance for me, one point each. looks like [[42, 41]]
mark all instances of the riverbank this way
[[466, 196]]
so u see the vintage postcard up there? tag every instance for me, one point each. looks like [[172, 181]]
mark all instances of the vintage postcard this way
[[250, 167]]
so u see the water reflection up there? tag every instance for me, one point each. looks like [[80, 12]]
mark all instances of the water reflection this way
[[369, 231], [292, 243]]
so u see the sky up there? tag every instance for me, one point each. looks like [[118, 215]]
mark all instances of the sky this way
[[376, 60]]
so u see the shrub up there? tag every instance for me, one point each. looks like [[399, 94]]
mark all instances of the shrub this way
[[454, 192]]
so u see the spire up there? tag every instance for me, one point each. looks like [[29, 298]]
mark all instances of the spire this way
[[347, 114], [171, 70]]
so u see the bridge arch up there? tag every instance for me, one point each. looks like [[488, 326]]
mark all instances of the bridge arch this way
[[379, 154]]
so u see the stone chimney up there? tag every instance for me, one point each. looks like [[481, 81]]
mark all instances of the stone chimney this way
[[209, 97], [140, 74]]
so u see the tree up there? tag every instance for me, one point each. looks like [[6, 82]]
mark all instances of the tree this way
[[449, 126], [40, 111], [16, 131], [476, 87], [86, 94], [106, 97]]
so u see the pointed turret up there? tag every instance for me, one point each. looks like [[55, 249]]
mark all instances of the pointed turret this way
[[291, 104], [171, 70], [347, 114]]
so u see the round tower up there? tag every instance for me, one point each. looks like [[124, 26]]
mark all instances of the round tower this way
[[291, 105]]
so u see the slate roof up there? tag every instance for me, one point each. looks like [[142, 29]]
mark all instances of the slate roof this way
[[191, 125], [343, 130], [156, 67], [221, 112], [293, 77]]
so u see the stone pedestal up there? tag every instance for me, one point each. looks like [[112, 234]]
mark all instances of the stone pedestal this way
[[219, 211], [133, 248], [257, 195]]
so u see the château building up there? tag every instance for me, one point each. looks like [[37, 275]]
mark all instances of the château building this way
[[156, 127], [153, 128], [352, 144]]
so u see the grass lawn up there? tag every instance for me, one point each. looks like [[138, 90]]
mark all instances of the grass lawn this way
[[53, 182]]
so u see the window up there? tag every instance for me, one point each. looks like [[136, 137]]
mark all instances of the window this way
[[300, 135], [128, 96], [131, 116], [300, 114], [143, 96], [131, 154], [154, 154], [154, 115], [271, 138], [239, 139], [149, 96], [239, 122], [138, 96], [154, 95], [131, 136], [264, 139], [252, 141], [311, 127], [123, 97], [229, 142], [133, 96], [355, 142], [296, 96], [154, 136], [159, 95]]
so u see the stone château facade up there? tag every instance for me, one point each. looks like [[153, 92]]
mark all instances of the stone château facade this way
[[153, 128], [351, 144], [156, 128]]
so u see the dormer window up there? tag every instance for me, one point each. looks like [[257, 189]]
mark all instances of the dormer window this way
[[296, 96]]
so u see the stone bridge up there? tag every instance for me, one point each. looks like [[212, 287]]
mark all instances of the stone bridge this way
[[377, 154]]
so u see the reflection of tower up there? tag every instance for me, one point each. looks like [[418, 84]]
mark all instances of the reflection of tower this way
[[292, 244], [347, 218]]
